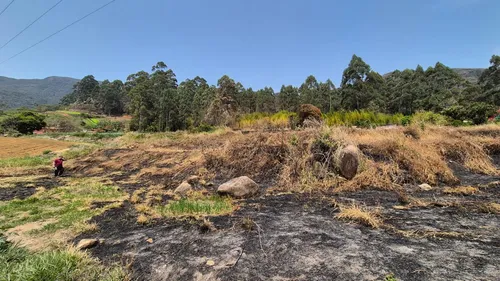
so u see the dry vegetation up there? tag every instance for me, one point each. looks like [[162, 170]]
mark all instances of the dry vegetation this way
[[148, 167], [461, 190], [19, 147], [361, 215]]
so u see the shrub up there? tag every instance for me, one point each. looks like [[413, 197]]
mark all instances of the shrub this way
[[477, 112], [363, 118], [109, 126], [427, 117], [24, 122], [202, 128]]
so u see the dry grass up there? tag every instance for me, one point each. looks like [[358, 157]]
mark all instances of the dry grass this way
[[426, 233], [491, 207], [361, 215], [423, 162], [143, 219], [18, 147], [136, 196], [469, 151], [380, 176], [461, 190]]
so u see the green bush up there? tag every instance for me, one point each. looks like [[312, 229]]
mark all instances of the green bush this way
[[477, 112], [202, 128], [24, 122], [362, 118], [109, 126], [427, 117]]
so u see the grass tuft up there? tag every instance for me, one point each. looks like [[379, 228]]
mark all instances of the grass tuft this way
[[361, 215], [208, 206], [18, 264], [461, 190]]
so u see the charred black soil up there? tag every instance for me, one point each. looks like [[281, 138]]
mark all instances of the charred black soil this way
[[10, 193], [296, 237]]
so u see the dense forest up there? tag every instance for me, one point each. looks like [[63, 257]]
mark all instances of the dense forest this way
[[157, 102]]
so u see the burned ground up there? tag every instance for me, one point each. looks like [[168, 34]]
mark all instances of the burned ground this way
[[291, 231], [296, 238]]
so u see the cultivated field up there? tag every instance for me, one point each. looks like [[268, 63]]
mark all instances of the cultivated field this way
[[424, 205], [20, 147]]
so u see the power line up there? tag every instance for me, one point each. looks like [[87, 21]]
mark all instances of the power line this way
[[7, 7], [62, 29], [30, 24]]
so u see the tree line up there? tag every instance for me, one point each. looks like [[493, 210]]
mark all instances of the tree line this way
[[157, 102]]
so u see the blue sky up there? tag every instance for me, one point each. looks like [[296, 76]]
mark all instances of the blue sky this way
[[257, 42]]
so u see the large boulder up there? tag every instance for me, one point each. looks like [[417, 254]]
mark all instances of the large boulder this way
[[308, 111], [348, 161], [239, 187], [183, 188]]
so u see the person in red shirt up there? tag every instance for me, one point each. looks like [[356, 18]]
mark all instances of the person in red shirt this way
[[58, 166]]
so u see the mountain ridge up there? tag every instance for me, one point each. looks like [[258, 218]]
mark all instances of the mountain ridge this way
[[31, 92]]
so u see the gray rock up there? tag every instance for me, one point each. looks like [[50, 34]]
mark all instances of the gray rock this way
[[349, 161], [87, 243], [193, 180], [425, 187], [239, 187], [183, 188]]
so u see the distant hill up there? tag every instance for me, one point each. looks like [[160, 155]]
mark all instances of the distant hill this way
[[471, 74], [30, 92]]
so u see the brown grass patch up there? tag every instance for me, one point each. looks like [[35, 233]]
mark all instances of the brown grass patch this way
[[461, 190], [361, 215], [419, 158], [491, 207], [258, 156], [18, 147], [380, 176]]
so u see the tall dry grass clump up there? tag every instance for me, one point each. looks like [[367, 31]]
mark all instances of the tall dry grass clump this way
[[469, 150], [259, 156], [313, 159], [423, 163], [360, 214], [382, 176]]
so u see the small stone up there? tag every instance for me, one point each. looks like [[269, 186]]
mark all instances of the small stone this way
[[87, 243], [425, 187], [193, 180], [210, 263], [149, 240], [183, 188]]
